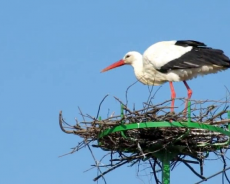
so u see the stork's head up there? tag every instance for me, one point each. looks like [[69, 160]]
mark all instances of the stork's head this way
[[130, 58]]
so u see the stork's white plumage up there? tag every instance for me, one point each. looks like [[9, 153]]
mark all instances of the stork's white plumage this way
[[171, 61]]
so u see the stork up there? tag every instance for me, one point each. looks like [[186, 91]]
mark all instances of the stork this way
[[172, 61]]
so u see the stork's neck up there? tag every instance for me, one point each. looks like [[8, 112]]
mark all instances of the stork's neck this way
[[137, 65]]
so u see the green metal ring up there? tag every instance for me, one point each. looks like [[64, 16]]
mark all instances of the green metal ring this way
[[131, 126]]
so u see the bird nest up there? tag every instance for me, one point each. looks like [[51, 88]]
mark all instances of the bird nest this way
[[145, 133]]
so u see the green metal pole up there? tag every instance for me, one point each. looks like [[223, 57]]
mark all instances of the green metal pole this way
[[189, 111], [166, 169], [122, 112], [122, 122]]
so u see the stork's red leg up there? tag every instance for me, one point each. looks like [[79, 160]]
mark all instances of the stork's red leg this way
[[173, 96], [189, 95]]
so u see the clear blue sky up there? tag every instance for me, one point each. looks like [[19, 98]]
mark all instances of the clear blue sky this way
[[51, 54]]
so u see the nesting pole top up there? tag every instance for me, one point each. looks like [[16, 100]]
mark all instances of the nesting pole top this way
[[154, 134]]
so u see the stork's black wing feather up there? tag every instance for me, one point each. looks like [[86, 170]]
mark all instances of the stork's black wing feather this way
[[186, 43], [199, 56]]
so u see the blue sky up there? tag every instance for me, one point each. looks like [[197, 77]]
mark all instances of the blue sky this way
[[51, 54]]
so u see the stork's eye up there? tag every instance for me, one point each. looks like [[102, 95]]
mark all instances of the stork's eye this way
[[127, 56]]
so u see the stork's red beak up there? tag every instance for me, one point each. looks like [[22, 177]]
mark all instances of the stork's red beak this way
[[114, 65]]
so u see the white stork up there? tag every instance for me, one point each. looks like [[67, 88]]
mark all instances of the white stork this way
[[171, 61]]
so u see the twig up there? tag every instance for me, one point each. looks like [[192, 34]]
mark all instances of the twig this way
[[200, 176], [95, 161], [112, 168], [212, 176], [153, 166], [60, 124], [126, 92], [125, 107], [99, 108], [224, 167]]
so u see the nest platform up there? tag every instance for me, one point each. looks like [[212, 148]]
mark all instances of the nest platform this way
[[154, 133]]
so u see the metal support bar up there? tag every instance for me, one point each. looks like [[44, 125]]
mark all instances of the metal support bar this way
[[122, 113], [189, 111], [165, 157], [162, 124], [122, 122], [166, 169]]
